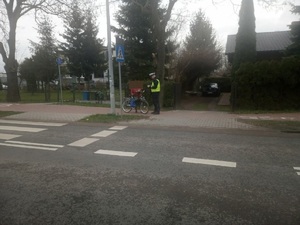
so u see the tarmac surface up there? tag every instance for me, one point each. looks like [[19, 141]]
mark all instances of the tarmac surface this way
[[171, 118]]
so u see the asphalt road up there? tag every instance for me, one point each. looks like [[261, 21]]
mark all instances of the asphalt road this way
[[103, 174]]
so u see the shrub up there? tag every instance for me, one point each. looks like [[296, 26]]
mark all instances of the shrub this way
[[269, 85]]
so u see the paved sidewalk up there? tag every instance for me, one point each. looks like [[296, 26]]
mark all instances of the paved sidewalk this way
[[174, 118]]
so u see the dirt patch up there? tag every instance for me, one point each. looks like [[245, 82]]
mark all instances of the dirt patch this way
[[191, 102]]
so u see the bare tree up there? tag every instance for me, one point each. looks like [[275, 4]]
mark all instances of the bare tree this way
[[10, 12]]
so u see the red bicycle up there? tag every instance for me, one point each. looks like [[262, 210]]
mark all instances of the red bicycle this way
[[136, 101]]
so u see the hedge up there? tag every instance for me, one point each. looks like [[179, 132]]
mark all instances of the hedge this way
[[269, 85]]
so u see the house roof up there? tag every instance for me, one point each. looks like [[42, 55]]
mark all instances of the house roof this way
[[267, 41]]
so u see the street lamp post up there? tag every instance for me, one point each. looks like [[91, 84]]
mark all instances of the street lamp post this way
[[110, 62]]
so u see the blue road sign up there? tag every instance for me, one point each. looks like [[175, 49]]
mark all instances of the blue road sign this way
[[59, 61], [120, 53]]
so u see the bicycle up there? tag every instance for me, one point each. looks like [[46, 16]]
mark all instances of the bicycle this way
[[135, 101]]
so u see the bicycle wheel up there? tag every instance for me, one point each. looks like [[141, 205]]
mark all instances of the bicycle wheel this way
[[126, 106], [144, 107]]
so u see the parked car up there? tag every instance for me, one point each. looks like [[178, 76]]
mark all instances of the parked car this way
[[211, 89]]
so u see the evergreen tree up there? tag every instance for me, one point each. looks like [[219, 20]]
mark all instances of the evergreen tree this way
[[135, 29], [201, 54], [93, 57], [27, 73], [245, 49], [83, 50], [294, 49], [73, 47], [44, 57]]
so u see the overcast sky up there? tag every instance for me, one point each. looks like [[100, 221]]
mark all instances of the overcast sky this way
[[223, 17]]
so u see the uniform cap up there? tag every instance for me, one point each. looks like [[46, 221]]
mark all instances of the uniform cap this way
[[151, 74]]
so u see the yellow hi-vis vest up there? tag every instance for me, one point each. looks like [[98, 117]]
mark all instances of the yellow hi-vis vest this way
[[157, 89]]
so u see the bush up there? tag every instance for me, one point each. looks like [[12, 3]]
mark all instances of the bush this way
[[269, 85], [169, 94]]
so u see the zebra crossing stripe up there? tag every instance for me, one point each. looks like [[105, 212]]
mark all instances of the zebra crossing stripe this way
[[28, 146], [32, 123], [118, 128], [25, 129], [34, 144], [297, 168], [104, 133], [83, 142], [8, 136]]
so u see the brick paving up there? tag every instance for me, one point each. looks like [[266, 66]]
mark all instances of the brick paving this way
[[175, 118]]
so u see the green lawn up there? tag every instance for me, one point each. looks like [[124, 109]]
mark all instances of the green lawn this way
[[68, 96], [7, 113]]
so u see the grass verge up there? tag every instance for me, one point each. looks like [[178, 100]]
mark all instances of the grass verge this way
[[284, 126], [111, 118], [7, 113]]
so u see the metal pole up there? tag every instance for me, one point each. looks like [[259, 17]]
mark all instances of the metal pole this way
[[110, 62], [120, 88], [60, 84]]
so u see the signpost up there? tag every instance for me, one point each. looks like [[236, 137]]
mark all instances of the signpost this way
[[120, 59], [120, 53], [59, 61]]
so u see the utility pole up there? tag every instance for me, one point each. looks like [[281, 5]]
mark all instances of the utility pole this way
[[110, 62]]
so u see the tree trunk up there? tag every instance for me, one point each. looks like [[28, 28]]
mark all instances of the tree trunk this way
[[13, 93], [11, 64]]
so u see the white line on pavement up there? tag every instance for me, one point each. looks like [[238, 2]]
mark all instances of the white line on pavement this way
[[28, 146], [83, 142], [26, 129], [297, 168], [118, 128], [32, 123], [8, 136], [209, 162], [116, 153], [104, 133], [34, 144]]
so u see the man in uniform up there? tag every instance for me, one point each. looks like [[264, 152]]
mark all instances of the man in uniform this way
[[155, 90]]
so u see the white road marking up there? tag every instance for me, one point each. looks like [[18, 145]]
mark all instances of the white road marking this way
[[8, 136], [118, 128], [26, 129], [34, 144], [32, 123], [83, 142], [253, 117], [28, 146], [297, 168], [104, 133], [209, 162], [116, 153]]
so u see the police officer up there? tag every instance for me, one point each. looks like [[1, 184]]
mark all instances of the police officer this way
[[155, 90]]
